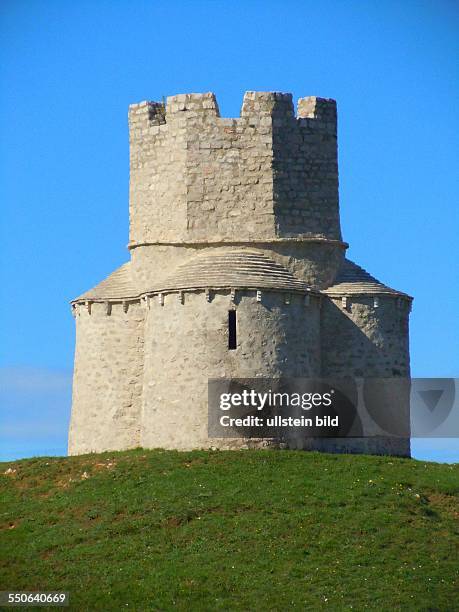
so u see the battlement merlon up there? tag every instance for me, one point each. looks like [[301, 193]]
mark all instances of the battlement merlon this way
[[255, 105]]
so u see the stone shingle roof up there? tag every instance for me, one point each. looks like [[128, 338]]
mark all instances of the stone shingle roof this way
[[117, 286], [229, 269], [352, 279], [232, 269], [236, 269]]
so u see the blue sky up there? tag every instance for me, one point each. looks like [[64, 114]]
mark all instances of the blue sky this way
[[70, 70]]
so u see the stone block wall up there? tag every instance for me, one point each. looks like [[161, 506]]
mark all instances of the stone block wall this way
[[108, 377], [359, 339], [187, 343], [305, 166], [157, 186], [267, 174], [366, 336]]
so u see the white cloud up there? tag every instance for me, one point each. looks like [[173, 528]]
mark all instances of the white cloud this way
[[22, 379], [34, 410]]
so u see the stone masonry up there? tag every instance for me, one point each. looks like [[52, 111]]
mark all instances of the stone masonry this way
[[228, 214]]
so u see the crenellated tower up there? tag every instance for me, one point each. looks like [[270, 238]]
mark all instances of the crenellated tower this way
[[227, 215], [268, 174]]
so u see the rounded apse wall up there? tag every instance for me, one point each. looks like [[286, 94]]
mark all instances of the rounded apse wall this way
[[187, 342], [107, 383], [367, 336]]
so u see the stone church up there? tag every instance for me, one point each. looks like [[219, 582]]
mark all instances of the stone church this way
[[237, 269]]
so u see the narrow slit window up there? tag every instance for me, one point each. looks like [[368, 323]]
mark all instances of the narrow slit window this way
[[232, 339]]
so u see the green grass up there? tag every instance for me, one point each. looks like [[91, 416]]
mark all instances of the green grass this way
[[243, 530]]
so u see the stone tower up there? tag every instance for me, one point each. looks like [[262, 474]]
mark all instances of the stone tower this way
[[228, 216]]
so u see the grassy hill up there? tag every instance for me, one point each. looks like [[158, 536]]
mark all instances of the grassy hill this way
[[250, 530]]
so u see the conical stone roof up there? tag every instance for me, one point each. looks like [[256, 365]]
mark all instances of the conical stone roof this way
[[117, 286], [232, 269], [352, 279], [228, 269]]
